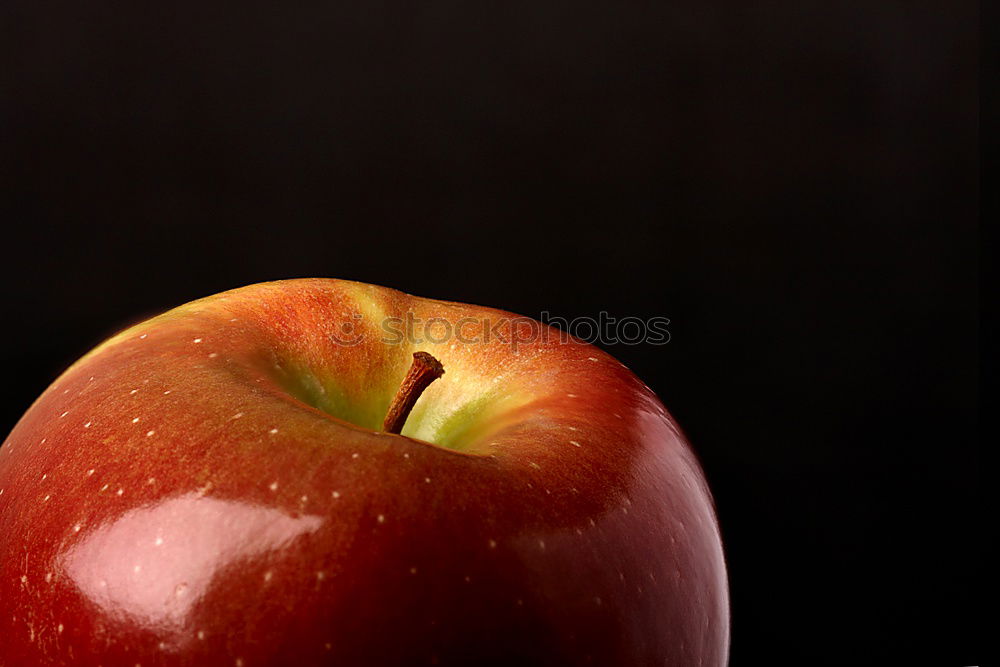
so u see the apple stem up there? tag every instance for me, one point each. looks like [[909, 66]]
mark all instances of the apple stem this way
[[424, 370]]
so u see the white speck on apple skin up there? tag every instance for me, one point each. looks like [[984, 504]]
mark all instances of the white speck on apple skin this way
[[574, 443], [492, 544], [64, 414], [149, 434], [46, 498], [77, 528], [381, 518], [268, 575], [427, 480], [335, 494], [355, 455], [274, 486], [320, 576], [158, 541], [196, 340], [120, 491], [48, 577], [571, 395], [541, 544], [592, 358], [135, 420], [273, 431], [166, 392], [133, 392], [201, 634], [60, 628], [213, 355], [237, 415], [87, 425]]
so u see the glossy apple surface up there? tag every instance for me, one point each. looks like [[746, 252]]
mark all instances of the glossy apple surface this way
[[211, 487]]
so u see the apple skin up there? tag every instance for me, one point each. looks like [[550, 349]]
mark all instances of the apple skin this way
[[174, 499]]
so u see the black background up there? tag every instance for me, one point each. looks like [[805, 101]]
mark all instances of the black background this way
[[793, 184]]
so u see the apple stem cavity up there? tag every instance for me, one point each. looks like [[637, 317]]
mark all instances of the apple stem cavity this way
[[424, 370]]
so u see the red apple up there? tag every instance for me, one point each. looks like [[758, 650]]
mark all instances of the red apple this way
[[213, 486]]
